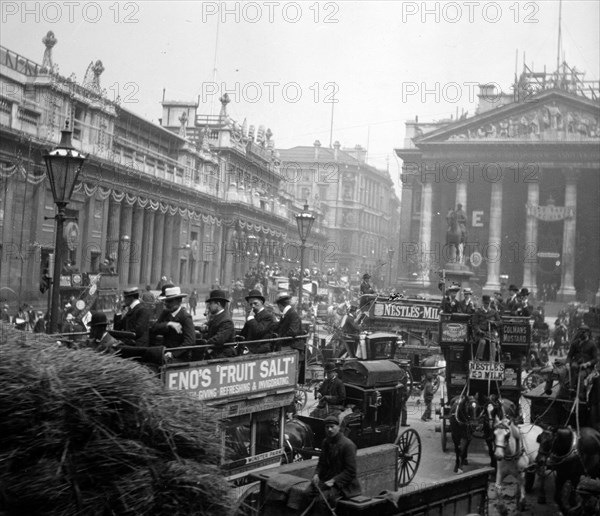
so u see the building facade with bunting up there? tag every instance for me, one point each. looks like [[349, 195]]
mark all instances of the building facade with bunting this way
[[525, 169], [150, 201]]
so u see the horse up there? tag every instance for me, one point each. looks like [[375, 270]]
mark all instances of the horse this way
[[496, 408], [569, 455], [516, 450], [298, 436], [456, 236], [463, 416]]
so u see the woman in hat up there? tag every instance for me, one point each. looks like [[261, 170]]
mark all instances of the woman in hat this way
[[175, 325], [220, 326], [260, 323]]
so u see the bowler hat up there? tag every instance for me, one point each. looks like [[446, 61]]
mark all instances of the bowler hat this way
[[513, 288], [331, 420], [217, 295], [485, 299], [131, 291], [255, 294], [524, 292], [98, 319], [284, 296], [366, 275], [330, 367], [172, 293]]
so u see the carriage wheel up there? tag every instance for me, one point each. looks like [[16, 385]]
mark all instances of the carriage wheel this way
[[444, 435], [532, 380], [436, 383], [249, 504], [300, 399], [409, 456]]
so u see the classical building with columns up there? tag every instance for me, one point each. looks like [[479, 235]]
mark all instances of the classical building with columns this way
[[526, 169], [152, 200], [358, 202]]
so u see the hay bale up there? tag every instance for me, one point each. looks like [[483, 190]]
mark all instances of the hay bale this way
[[86, 433]]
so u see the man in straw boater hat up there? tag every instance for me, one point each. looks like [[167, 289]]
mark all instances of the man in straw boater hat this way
[[260, 323], [467, 305], [290, 325], [220, 328], [135, 317], [175, 325], [100, 340]]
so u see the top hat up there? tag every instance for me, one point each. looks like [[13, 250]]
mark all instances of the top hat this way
[[131, 291], [331, 420], [98, 319], [467, 291], [513, 288], [524, 292], [284, 296], [172, 293], [217, 295], [366, 275], [255, 294]]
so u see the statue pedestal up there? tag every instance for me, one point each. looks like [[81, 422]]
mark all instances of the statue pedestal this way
[[457, 273]]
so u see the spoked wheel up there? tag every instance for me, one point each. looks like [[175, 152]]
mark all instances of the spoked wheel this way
[[249, 504], [436, 383], [444, 435], [300, 399], [409, 456]]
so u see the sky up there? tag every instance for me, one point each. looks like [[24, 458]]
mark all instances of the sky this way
[[282, 63]]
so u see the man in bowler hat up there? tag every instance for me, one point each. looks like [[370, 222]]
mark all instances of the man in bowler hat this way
[[135, 317], [175, 325], [290, 325], [260, 323], [220, 329], [100, 340]]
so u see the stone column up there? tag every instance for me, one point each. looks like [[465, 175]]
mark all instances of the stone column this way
[[147, 247], [425, 251], [157, 248], [567, 290], [494, 247], [531, 239], [167, 253], [137, 231], [404, 229], [124, 244], [112, 231]]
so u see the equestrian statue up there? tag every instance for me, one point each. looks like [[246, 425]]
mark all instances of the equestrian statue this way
[[456, 235]]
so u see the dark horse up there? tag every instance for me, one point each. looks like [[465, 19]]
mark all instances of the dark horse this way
[[570, 455], [463, 418], [456, 236], [298, 436]]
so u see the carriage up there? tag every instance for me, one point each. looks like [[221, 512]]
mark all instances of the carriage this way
[[466, 375], [375, 392]]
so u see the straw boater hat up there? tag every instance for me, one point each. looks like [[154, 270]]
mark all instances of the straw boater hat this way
[[172, 293], [217, 295], [467, 290], [132, 291], [256, 295], [453, 288]]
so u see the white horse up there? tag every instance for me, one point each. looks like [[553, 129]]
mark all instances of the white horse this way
[[515, 449]]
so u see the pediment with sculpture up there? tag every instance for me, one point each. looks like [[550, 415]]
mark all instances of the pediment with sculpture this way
[[552, 121]]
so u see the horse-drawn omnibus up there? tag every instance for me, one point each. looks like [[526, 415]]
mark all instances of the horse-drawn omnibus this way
[[497, 377]]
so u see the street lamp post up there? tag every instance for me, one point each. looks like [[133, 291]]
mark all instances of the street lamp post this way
[[63, 165], [305, 220], [391, 252]]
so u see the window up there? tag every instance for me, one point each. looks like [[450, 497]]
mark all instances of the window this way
[[78, 118]]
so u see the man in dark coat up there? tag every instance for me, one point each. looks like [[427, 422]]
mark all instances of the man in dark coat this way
[[331, 394], [290, 325], [512, 303], [260, 324], [466, 305], [451, 305], [135, 318], [365, 286], [175, 325], [100, 340], [484, 321], [335, 474], [220, 328], [582, 356]]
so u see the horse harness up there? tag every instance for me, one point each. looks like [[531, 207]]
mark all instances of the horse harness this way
[[520, 448], [556, 460]]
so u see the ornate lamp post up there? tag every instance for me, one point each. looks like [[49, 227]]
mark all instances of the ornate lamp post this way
[[305, 220], [63, 165], [390, 252]]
